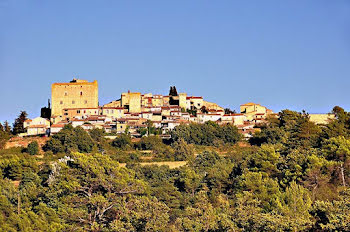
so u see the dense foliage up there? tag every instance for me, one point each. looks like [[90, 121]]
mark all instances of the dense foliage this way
[[294, 176], [70, 139], [208, 133]]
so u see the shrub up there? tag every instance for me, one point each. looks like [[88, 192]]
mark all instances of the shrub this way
[[122, 141], [207, 133], [70, 139], [33, 148]]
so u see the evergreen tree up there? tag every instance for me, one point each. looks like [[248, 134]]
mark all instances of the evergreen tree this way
[[173, 91], [7, 127], [229, 111], [1, 127], [18, 124]]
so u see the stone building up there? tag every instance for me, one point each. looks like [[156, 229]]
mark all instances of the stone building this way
[[131, 101], [255, 111], [75, 94]]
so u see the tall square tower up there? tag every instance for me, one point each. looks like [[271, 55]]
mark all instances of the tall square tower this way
[[75, 94]]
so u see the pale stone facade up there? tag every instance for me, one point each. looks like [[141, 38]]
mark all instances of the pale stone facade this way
[[194, 102], [75, 94], [321, 118], [254, 111], [36, 126], [113, 112], [132, 101], [211, 105], [183, 100]]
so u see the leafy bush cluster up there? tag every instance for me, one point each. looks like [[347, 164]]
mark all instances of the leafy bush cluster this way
[[207, 133], [71, 139]]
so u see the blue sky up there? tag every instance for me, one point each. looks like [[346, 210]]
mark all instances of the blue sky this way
[[282, 54]]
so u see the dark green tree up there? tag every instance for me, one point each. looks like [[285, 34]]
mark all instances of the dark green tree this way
[[33, 148], [173, 91], [7, 127], [18, 124], [70, 139], [122, 141]]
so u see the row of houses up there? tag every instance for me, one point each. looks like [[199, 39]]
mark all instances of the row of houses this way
[[165, 118], [76, 103]]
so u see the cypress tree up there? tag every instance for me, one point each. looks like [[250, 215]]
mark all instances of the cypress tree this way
[[7, 127]]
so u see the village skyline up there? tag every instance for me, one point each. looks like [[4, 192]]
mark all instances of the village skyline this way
[[35, 111]]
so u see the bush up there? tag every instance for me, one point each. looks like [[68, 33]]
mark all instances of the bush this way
[[206, 134], [182, 150], [33, 148], [70, 139], [149, 143], [122, 141]]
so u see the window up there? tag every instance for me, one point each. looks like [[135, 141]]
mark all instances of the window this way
[[85, 101], [65, 113], [107, 111], [61, 102], [78, 111], [112, 111], [81, 93], [65, 94], [73, 102]]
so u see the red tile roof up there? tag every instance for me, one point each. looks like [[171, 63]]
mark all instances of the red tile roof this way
[[38, 126], [58, 125]]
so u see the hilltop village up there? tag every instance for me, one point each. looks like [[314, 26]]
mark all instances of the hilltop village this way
[[76, 103]]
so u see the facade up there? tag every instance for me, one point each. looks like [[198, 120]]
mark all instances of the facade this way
[[254, 111], [36, 126], [80, 113], [321, 118], [131, 101], [75, 94], [113, 112], [211, 105], [194, 103]]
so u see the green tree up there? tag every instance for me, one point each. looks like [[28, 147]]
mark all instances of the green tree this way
[[296, 204], [90, 190], [33, 148], [122, 141], [4, 137], [97, 134], [141, 214], [338, 149], [333, 215], [7, 127], [18, 124], [70, 139], [182, 150], [207, 133]]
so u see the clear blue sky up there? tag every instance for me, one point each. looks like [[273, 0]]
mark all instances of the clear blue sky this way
[[282, 54]]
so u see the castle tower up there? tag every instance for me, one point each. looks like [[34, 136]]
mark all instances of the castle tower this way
[[183, 100], [132, 101], [75, 94]]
